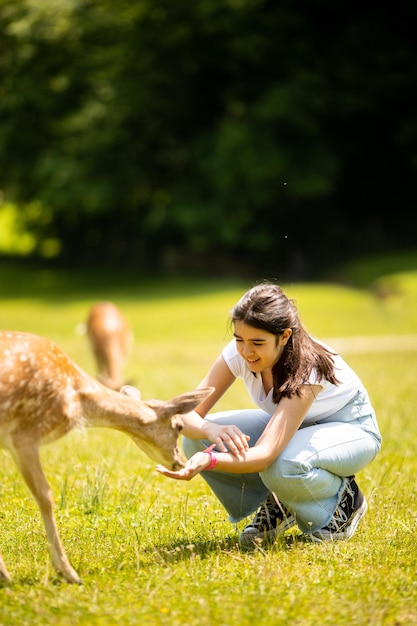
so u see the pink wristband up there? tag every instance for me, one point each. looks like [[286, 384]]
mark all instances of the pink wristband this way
[[213, 458]]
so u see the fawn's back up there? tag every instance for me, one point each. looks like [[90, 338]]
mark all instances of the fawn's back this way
[[39, 388]]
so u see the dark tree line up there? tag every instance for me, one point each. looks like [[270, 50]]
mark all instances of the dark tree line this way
[[211, 134]]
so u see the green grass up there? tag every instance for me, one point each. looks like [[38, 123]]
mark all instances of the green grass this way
[[159, 552]]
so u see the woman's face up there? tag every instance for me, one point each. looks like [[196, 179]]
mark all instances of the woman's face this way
[[260, 349]]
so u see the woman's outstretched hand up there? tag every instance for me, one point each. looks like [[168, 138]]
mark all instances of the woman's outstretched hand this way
[[196, 464]]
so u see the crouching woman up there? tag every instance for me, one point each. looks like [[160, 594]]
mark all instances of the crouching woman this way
[[293, 460]]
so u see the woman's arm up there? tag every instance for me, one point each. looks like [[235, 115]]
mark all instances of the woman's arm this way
[[196, 427], [276, 436]]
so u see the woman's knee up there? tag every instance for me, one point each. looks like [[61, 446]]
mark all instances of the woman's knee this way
[[284, 473]]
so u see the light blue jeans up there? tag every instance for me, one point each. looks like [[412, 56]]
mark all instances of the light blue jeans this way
[[309, 476]]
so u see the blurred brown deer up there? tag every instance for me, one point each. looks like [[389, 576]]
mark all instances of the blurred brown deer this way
[[44, 395], [111, 340]]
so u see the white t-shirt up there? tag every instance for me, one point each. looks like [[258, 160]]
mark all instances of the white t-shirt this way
[[331, 399]]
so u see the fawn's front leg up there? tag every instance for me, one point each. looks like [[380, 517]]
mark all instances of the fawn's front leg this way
[[29, 464], [4, 574]]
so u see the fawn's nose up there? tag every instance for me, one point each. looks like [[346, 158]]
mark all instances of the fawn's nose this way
[[179, 461]]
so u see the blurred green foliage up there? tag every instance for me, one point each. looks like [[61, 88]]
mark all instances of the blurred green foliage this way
[[178, 135]]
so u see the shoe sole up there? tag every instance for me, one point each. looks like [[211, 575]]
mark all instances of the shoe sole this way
[[252, 537], [347, 533]]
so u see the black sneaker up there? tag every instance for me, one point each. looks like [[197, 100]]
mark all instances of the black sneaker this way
[[271, 519], [349, 512]]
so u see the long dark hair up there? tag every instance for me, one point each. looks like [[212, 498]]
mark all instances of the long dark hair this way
[[266, 307]]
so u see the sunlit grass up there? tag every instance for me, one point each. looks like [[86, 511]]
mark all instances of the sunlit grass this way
[[154, 551]]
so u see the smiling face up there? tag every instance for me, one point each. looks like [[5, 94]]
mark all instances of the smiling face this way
[[260, 349]]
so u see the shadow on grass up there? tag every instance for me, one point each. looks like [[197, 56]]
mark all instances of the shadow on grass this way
[[62, 285], [180, 550]]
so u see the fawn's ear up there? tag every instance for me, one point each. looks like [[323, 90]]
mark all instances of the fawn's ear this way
[[188, 401], [132, 392]]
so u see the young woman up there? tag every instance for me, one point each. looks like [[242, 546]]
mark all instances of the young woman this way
[[294, 458]]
